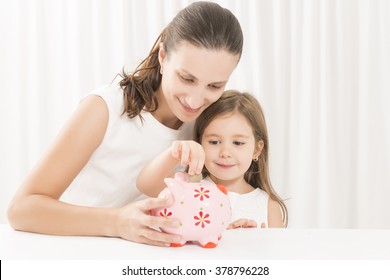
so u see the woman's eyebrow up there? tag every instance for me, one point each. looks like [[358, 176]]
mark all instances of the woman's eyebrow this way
[[189, 74], [196, 79]]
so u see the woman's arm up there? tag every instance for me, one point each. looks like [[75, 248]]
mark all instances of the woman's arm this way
[[150, 181], [36, 206]]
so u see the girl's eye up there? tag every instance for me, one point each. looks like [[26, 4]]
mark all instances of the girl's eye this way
[[238, 143], [213, 142]]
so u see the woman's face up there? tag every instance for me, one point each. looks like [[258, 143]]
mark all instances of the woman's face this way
[[193, 78]]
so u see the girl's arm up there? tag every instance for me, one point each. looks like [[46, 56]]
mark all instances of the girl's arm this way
[[36, 206], [150, 181], [275, 219]]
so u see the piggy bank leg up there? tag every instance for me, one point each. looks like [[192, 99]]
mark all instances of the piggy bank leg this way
[[177, 244], [210, 242], [209, 245]]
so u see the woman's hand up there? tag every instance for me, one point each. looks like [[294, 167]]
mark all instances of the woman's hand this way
[[244, 223], [136, 224], [189, 153]]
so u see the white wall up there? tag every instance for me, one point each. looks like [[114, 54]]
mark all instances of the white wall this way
[[319, 68]]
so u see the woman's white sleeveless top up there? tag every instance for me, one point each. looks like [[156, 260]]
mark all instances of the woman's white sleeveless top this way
[[109, 177]]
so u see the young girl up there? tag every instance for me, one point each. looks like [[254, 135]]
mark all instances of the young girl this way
[[234, 149], [85, 184]]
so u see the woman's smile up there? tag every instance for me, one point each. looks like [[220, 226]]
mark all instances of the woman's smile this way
[[188, 108]]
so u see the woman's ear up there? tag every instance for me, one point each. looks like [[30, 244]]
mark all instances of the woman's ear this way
[[161, 53], [258, 150]]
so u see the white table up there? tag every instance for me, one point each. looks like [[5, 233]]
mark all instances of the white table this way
[[262, 244]]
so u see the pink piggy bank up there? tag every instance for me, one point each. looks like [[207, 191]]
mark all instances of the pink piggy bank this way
[[203, 209]]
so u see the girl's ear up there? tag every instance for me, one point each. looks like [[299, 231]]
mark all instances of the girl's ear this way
[[258, 150]]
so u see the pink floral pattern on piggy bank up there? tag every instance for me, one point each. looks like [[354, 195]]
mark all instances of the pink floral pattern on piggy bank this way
[[203, 209]]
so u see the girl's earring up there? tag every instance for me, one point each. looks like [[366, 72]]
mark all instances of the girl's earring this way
[[255, 159], [161, 70]]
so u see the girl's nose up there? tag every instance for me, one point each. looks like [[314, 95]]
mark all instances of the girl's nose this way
[[224, 153]]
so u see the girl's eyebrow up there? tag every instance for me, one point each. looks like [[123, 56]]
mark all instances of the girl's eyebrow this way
[[234, 136], [196, 79], [210, 135], [241, 136]]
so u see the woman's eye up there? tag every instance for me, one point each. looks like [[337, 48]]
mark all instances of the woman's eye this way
[[215, 87], [188, 80]]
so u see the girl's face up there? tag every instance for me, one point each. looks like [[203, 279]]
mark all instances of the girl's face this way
[[230, 147], [193, 78]]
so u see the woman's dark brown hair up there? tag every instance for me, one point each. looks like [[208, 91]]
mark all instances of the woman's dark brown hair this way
[[202, 24]]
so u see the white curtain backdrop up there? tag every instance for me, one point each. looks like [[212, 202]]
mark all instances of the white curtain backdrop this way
[[320, 68]]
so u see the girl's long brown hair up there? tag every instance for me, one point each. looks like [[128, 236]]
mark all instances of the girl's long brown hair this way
[[244, 103], [202, 24]]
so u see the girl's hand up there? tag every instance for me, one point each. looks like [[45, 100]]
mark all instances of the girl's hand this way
[[244, 223], [189, 153], [135, 223]]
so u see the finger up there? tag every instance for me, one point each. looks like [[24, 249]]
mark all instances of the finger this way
[[144, 240], [235, 224], [176, 149], [153, 203], [197, 158], [153, 236], [243, 223], [230, 226], [240, 222], [263, 225], [201, 161], [250, 224], [185, 154], [160, 222]]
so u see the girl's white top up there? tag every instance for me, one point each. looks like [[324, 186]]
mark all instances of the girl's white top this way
[[109, 177], [252, 206]]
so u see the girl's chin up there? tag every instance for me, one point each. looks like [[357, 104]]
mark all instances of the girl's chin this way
[[220, 178]]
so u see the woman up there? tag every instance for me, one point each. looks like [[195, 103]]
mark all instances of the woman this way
[[85, 184]]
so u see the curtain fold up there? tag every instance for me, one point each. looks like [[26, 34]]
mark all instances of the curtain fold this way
[[320, 69]]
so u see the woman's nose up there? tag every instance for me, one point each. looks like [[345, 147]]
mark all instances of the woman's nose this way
[[194, 102]]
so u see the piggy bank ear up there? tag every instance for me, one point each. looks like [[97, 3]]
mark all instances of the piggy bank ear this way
[[171, 186], [169, 182], [181, 176], [165, 193], [222, 188]]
